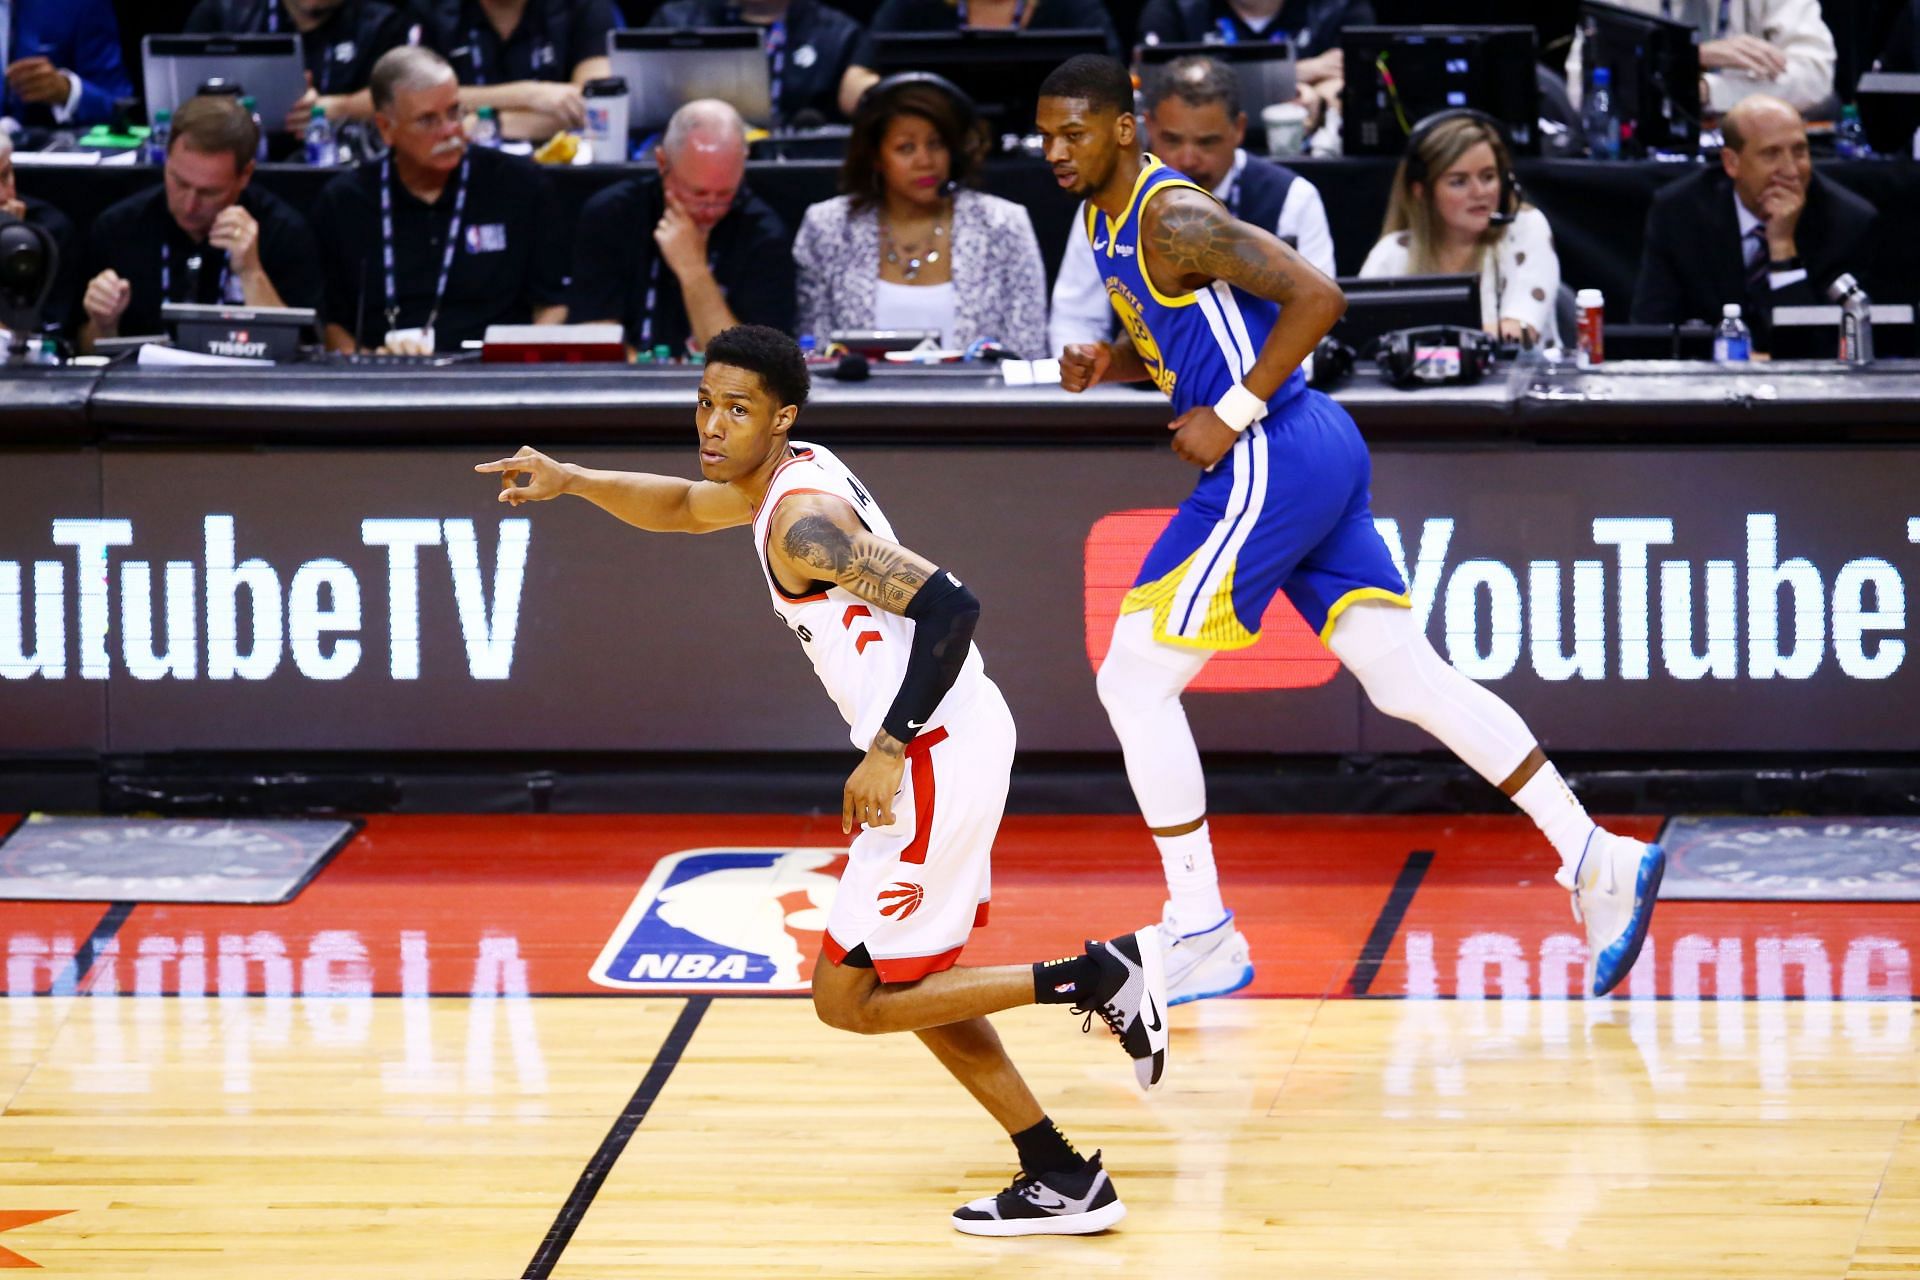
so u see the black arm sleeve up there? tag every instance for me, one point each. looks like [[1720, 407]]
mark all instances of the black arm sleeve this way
[[944, 613]]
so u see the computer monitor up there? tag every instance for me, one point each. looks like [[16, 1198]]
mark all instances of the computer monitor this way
[[1654, 66], [1889, 104], [1268, 71], [665, 68], [267, 68], [1397, 75], [1000, 70], [1381, 304]]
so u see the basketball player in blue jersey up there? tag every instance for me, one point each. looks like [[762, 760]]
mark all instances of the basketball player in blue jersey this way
[[1220, 314], [914, 691]]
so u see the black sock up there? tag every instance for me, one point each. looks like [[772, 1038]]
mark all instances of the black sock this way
[[1044, 1149], [1065, 981]]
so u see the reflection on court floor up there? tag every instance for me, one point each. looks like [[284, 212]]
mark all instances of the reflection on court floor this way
[[412, 1069]]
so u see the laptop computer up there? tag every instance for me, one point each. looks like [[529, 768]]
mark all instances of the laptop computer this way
[[665, 69], [268, 68]]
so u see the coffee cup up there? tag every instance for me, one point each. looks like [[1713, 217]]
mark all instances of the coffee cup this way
[[1286, 126], [606, 127]]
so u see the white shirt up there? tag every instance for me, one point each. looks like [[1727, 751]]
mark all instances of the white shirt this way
[[1081, 312], [1794, 27], [1519, 279], [1748, 222], [914, 306]]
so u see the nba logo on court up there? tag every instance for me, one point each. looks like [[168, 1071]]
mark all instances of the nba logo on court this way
[[736, 919]]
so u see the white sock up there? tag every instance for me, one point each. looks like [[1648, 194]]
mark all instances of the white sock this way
[[1558, 813], [1192, 882]]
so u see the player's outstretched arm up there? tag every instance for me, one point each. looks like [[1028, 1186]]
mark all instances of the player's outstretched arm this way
[[661, 504], [819, 539], [1192, 240]]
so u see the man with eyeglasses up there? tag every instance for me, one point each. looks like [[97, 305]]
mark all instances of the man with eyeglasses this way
[[427, 247], [678, 258]]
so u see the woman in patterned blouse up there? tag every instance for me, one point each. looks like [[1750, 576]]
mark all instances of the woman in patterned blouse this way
[[910, 245]]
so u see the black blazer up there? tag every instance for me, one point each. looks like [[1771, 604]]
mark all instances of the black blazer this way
[[1692, 263]]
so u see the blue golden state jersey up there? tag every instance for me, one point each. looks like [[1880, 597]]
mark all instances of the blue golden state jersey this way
[[1195, 345]]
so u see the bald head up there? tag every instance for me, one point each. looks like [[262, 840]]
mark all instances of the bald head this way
[[1759, 113], [708, 125], [703, 159]]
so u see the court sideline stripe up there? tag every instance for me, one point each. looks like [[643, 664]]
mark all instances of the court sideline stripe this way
[[77, 968], [560, 1234], [1387, 924]]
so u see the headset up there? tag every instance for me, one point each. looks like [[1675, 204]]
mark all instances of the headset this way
[[901, 79], [1510, 193]]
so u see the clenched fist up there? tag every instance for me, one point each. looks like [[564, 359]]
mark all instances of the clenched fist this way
[[1084, 364]]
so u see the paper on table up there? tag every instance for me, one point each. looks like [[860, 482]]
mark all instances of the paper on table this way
[[155, 356]]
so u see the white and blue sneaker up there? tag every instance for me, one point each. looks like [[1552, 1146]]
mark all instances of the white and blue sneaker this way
[[1614, 887], [1212, 962]]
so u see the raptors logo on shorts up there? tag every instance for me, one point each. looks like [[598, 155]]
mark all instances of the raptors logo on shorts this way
[[901, 900]]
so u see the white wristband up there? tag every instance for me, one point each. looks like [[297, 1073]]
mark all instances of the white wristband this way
[[1239, 408]]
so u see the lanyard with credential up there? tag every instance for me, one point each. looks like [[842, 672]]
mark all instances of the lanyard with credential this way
[[193, 265], [776, 62], [386, 247], [326, 58]]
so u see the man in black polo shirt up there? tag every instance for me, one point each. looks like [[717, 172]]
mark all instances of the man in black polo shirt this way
[[678, 258], [204, 236], [471, 231], [527, 59], [809, 48], [340, 40]]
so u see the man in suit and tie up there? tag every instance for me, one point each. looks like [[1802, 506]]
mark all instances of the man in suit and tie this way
[[1764, 230], [62, 59]]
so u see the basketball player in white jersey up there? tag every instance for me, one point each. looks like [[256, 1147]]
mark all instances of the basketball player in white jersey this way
[[891, 638], [1220, 315]]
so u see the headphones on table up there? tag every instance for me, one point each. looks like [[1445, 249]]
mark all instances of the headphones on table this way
[[1510, 193]]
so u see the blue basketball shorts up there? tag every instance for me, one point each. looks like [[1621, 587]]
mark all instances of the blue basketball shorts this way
[[1286, 510]]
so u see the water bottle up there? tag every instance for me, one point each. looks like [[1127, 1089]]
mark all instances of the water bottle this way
[[486, 128], [157, 136], [1596, 117], [259, 130], [1850, 139], [1856, 319], [320, 148], [1732, 344]]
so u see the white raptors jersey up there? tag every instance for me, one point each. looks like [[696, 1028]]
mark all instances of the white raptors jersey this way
[[858, 650]]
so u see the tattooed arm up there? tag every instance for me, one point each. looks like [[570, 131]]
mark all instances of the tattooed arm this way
[[816, 539], [1192, 241]]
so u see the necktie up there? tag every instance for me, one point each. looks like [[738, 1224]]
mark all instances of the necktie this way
[[1754, 244]]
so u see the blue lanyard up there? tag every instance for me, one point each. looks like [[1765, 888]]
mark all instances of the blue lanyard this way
[[326, 58], [386, 238], [1019, 12], [228, 291], [777, 60]]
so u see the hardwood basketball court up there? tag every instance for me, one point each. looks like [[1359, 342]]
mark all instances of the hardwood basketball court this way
[[409, 1071]]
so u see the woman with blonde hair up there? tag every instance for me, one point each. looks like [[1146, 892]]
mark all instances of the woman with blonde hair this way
[[1455, 211]]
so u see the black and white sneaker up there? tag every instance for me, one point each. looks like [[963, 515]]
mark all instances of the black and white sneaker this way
[[1136, 1007], [1048, 1204]]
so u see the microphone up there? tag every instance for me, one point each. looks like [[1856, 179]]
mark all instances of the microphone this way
[[807, 118], [853, 367]]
